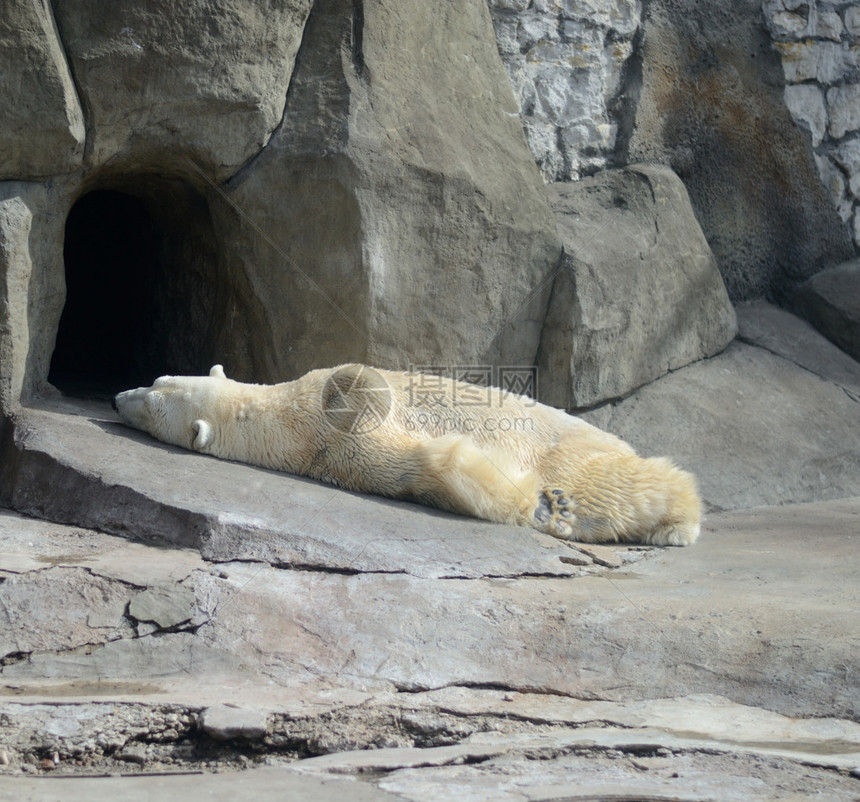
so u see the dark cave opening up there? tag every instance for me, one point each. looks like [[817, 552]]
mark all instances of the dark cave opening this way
[[141, 288], [111, 253]]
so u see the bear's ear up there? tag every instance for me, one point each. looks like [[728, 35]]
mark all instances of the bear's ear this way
[[202, 435], [218, 372]]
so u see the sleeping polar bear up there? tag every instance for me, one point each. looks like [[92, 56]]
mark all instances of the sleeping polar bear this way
[[411, 436]]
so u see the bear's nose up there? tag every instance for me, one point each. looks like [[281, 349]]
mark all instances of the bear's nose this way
[[113, 404]]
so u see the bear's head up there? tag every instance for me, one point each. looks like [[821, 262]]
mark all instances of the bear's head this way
[[181, 410]]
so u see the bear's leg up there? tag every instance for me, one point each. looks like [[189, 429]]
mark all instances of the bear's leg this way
[[610, 498], [484, 483]]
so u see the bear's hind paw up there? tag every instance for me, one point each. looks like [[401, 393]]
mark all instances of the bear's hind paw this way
[[680, 534], [554, 513]]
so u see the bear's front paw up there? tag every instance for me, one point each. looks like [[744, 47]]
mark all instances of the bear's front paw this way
[[554, 513]]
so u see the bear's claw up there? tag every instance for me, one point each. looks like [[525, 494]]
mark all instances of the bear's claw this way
[[553, 513]]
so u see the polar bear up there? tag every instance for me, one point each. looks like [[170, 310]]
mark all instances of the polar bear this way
[[472, 450]]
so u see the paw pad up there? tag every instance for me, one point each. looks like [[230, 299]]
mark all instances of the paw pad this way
[[554, 513]]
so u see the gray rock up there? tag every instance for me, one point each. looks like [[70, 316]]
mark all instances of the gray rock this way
[[639, 293], [788, 336], [157, 79], [712, 107], [411, 195], [60, 608], [102, 475], [852, 20], [32, 219], [41, 120], [395, 192], [810, 60], [848, 157], [806, 104], [668, 625], [166, 606], [567, 63], [831, 301], [843, 103], [133, 753], [265, 784], [15, 271], [224, 722], [754, 427]]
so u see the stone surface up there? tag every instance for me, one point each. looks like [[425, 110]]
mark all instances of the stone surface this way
[[712, 106], [503, 689], [41, 119], [91, 609], [412, 193], [405, 203], [785, 335], [847, 156], [806, 104], [224, 722], [843, 103], [619, 661], [754, 427], [32, 219], [820, 57], [166, 606], [236, 512], [204, 80], [823, 62], [15, 271], [831, 301], [639, 293], [268, 784], [668, 624], [567, 63]]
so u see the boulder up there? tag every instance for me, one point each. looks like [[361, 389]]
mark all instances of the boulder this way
[[638, 293], [756, 427], [831, 301], [711, 105], [202, 79], [32, 218], [41, 120], [412, 226], [16, 221]]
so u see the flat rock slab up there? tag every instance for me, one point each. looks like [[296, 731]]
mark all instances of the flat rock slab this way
[[659, 678], [77, 464], [745, 613], [262, 785], [495, 761]]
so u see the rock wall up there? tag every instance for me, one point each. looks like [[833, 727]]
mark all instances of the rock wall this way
[[819, 44], [698, 87], [352, 208], [340, 180]]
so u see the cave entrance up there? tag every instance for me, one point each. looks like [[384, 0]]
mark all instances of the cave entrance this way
[[141, 288]]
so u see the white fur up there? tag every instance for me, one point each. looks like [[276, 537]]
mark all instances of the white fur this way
[[509, 460]]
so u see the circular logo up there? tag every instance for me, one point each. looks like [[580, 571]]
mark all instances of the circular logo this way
[[356, 399]]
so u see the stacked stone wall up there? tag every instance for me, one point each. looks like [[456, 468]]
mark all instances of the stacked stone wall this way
[[820, 48], [567, 61]]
